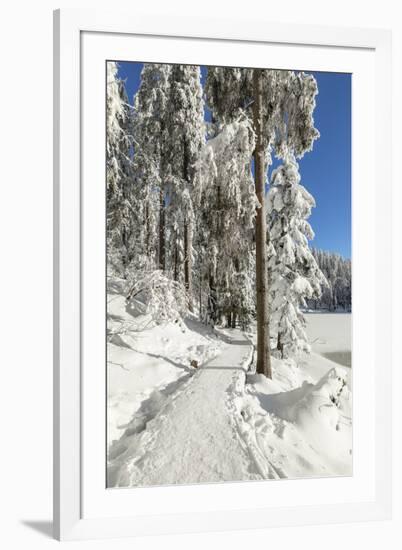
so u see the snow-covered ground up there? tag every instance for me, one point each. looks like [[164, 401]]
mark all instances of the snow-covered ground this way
[[171, 422]]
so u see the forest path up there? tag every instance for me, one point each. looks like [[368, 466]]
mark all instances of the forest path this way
[[194, 438]]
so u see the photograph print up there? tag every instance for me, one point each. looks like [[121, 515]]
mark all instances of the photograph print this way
[[228, 274]]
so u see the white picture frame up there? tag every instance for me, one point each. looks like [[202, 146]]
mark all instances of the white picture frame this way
[[81, 509]]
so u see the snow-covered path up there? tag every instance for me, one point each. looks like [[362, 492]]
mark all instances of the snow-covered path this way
[[194, 438]]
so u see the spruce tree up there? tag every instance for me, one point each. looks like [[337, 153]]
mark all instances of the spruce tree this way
[[228, 209], [150, 112], [119, 172], [294, 273], [184, 137]]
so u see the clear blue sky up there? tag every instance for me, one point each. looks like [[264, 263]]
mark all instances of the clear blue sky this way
[[325, 171]]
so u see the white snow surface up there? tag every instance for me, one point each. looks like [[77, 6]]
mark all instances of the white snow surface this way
[[171, 423]]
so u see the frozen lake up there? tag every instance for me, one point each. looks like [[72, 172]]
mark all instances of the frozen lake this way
[[330, 335]]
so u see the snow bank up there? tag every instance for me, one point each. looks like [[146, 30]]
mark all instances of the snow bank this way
[[297, 429]]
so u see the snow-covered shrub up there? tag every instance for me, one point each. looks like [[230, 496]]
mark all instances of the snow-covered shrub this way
[[165, 300]]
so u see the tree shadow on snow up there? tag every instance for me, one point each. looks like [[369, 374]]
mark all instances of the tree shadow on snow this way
[[163, 358], [279, 403], [223, 367]]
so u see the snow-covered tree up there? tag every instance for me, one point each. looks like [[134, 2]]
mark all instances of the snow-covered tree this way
[[115, 114], [228, 209], [294, 273], [288, 103], [149, 127], [184, 136], [119, 172], [281, 104]]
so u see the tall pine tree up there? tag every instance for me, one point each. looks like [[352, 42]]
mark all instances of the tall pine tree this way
[[184, 137], [150, 113], [280, 104]]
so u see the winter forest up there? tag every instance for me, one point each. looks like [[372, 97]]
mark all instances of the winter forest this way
[[228, 331]]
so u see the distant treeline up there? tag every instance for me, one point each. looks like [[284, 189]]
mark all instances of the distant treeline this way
[[338, 272]]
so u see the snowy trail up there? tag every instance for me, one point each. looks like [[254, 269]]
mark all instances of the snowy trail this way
[[195, 436]]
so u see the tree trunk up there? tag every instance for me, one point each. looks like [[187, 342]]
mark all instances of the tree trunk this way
[[188, 264], [188, 234], [162, 244], [147, 235], [234, 319], [175, 261], [212, 298], [263, 338], [124, 259], [200, 298], [279, 345]]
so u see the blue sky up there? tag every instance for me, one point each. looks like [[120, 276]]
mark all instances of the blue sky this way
[[325, 171]]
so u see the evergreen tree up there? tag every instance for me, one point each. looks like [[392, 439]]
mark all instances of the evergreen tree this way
[[184, 138], [280, 104], [114, 116], [150, 112], [294, 273], [119, 172], [227, 223]]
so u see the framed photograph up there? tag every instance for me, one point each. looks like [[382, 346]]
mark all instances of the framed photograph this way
[[222, 274]]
